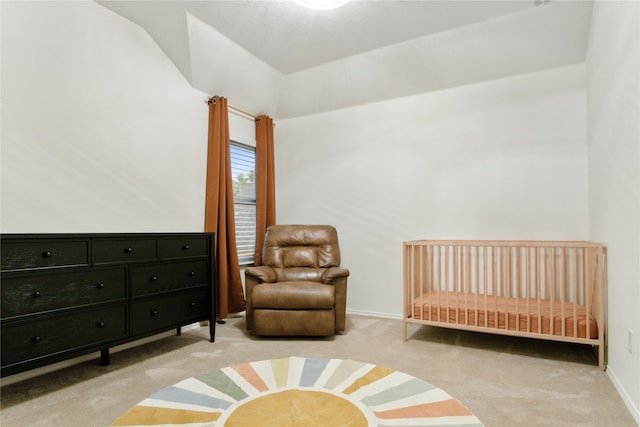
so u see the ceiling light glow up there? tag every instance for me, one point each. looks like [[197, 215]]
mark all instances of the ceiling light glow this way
[[322, 4]]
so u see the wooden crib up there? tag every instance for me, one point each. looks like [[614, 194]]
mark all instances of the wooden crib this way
[[536, 289]]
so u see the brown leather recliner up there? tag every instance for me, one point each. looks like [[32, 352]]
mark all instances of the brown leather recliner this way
[[300, 289]]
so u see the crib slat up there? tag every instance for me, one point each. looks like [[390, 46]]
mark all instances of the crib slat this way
[[456, 281], [562, 275], [411, 274], [486, 286], [528, 286], [407, 286], [552, 285], [517, 286], [421, 284], [600, 291], [428, 286], [506, 266], [467, 284], [477, 291], [413, 277], [446, 281], [575, 291], [539, 287], [494, 279], [587, 282], [439, 249]]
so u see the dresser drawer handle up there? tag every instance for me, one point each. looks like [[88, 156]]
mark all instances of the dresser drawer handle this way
[[186, 247], [154, 278], [100, 325], [154, 312], [47, 254], [36, 294], [36, 339], [192, 273], [128, 250], [100, 286], [192, 304]]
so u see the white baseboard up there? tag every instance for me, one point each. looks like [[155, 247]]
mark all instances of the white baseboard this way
[[375, 314], [635, 413]]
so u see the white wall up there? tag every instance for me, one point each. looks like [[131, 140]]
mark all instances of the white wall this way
[[613, 94], [504, 159], [100, 131]]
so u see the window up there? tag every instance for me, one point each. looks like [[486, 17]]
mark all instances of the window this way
[[243, 171]]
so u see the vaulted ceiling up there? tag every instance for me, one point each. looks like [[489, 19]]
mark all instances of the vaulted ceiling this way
[[278, 58]]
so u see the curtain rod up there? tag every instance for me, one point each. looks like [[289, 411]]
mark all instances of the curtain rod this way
[[239, 110], [231, 107]]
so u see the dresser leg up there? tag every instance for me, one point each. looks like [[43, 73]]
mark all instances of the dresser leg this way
[[179, 330], [104, 357], [212, 331]]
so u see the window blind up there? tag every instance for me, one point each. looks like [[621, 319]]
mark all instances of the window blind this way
[[243, 171]]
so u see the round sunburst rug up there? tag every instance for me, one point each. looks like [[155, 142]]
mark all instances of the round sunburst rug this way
[[299, 391]]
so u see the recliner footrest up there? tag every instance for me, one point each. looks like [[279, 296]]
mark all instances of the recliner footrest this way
[[319, 323]]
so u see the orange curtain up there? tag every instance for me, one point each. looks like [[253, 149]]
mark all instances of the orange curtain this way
[[265, 183], [219, 213]]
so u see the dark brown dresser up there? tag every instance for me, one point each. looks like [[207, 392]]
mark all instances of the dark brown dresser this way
[[65, 295]]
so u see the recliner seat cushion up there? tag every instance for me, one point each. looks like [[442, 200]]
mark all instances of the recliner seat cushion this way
[[294, 296]]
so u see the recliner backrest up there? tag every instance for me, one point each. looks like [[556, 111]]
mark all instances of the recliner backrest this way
[[301, 247]]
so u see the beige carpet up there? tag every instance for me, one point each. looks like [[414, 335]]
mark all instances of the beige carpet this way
[[504, 381]]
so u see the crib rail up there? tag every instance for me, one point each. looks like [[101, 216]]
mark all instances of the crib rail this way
[[542, 289]]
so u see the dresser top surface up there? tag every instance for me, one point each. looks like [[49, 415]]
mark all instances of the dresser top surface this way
[[16, 236]]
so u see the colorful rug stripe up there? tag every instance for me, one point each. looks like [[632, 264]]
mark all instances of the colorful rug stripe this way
[[252, 377], [142, 415]]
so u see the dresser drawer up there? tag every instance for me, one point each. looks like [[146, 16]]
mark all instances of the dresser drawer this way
[[43, 253], [108, 251], [45, 335], [169, 310], [31, 293], [150, 279], [183, 247]]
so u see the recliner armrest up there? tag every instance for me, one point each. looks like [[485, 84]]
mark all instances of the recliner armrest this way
[[334, 273], [262, 274]]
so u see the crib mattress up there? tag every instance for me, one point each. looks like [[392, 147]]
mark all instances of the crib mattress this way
[[515, 314]]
